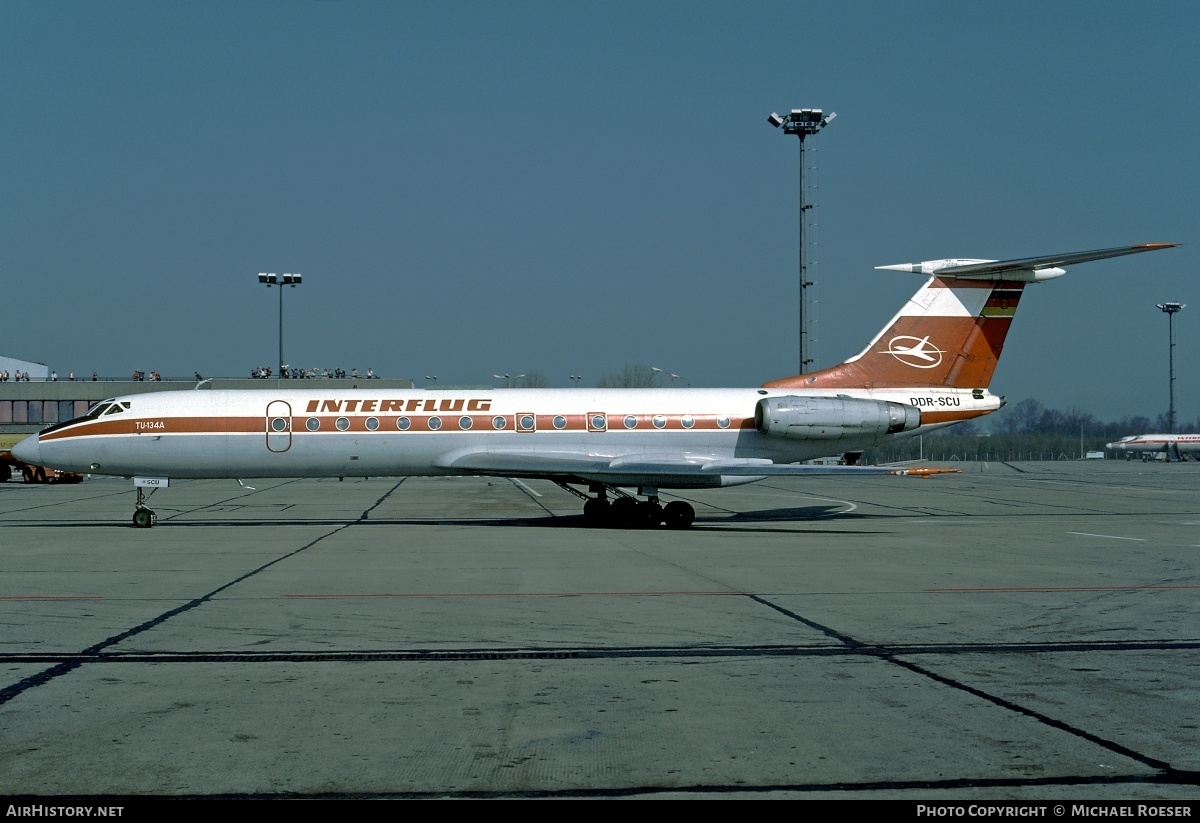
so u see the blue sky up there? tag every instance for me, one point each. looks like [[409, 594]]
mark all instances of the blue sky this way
[[473, 188]]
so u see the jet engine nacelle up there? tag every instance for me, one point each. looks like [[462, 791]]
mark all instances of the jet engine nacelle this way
[[829, 418]]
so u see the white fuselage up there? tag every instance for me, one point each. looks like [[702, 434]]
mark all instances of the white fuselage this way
[[312, 433], [1140, 443]]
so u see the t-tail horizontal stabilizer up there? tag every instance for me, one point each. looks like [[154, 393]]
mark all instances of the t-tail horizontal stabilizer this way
[[1025, 269]]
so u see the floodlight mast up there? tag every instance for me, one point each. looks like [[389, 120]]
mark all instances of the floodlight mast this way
[[270, 279], [803, 123], [1170, 310]]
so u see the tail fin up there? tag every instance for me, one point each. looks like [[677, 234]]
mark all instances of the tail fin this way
[[951, 331], [948, 334]]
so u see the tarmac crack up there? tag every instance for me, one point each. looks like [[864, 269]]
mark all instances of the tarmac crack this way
[[92, 653], [895, 658], [888, 652]]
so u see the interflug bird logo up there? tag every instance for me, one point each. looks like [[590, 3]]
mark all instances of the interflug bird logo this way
[[917, 352]]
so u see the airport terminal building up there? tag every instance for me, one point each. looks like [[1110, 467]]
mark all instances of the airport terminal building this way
[[12, 366]]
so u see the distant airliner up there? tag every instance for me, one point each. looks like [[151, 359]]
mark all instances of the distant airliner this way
[[1174, 446], [928, 368]]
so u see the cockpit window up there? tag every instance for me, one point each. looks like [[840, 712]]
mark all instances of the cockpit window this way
[[97, 410], [104, 408]]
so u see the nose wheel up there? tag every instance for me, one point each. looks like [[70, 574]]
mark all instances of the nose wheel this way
[[143, 517]]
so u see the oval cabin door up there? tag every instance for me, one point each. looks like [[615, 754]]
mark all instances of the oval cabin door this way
[[279, 426]]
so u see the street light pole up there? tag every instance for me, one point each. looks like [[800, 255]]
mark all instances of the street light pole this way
[[272, 279], [1171, 309], [802, 123]]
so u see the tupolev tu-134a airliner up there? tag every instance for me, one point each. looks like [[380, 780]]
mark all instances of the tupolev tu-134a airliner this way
[[929, 367]]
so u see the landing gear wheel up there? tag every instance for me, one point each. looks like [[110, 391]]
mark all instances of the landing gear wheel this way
[[650, 513], [624, 512], [679, 515], [143, 519], [596, 511]]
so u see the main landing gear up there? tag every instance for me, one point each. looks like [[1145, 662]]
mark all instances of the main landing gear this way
[[625, 511]]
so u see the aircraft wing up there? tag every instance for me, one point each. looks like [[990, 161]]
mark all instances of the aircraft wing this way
[[646, 469], [991, 268]]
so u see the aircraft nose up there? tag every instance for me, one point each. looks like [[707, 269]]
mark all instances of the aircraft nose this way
[[28, 450]]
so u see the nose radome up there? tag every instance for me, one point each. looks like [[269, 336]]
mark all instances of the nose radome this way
[[28, 450]]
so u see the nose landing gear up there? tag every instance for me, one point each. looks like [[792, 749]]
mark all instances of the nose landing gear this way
[[143, 516]]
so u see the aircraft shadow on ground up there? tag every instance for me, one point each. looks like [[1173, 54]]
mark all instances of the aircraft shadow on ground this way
[[735, 521], [796, 513]]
